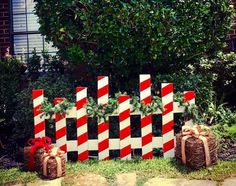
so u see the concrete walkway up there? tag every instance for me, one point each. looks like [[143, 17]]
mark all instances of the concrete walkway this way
[[179, 182], [91, 180], [126, 179], [229, 182], [129, 179], [56, 182]]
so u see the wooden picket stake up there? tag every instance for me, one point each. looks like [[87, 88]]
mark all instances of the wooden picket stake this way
[[103, 126], [39, 120], [125, 128], [167, 119], [146, 121], [81, 123], [60, 122]]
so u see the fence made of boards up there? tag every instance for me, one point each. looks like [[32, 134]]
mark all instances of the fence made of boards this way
[[125, 143]]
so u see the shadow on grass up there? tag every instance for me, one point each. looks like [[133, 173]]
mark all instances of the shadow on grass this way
[[180, 167], [92, 162], [75, 164]]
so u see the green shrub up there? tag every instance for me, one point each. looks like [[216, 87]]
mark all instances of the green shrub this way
[[54, 86], [219, 114], [232, 131], [46, 63], [189, 80], [33, 62], [125, 38], [223, 68], [223, 133], [9, 85]]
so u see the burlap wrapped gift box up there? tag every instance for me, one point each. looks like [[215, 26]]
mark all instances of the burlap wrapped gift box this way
[[54, 164], [196, 147]]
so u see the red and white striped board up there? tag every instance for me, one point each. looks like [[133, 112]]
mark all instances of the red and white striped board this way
[[189, 96], [103, 127], [124, 119], [81, 123], [60, 122], [167, 119], [146, 121], [39, 120]]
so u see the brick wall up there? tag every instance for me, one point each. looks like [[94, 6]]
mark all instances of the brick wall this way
[[4, 27]]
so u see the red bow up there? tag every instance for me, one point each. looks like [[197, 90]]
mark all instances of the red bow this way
[[44, 142]]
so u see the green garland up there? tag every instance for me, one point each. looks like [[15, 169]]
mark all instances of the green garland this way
[[62, 107], [191, 111], [101, 112]]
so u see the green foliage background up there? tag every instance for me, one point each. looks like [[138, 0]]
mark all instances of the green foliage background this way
[[124, 38]]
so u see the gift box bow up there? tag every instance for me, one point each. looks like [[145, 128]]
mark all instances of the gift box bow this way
[[197, 131], [53, 153], [35, 143]]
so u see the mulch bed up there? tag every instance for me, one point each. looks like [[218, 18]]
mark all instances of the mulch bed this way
[[227, 151], [10, 159]]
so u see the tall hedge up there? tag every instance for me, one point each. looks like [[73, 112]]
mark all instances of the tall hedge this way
[[127, 37], [10, 81]]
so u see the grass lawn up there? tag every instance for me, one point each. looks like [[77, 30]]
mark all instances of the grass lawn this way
[[145, 169]]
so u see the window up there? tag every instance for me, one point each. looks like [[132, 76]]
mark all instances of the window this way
[[233, 44], [24, 30]]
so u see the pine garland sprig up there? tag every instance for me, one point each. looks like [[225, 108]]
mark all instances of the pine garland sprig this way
[[104, 111], [178, 97], [154, 106], [62, 107], [191, 111], [101, 111]]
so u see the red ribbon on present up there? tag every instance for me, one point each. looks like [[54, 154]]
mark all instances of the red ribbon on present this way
[[35, 143]]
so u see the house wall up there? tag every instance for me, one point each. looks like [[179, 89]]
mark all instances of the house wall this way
[[4, 27]]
